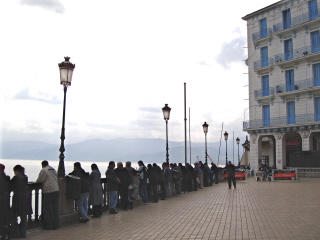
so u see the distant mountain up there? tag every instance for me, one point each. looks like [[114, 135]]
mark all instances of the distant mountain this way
[[149, 150]]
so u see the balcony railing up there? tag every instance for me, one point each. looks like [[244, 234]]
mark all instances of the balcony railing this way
[[281, 121], [299, 52], [261, 64], [294, 22], [262, 34], [299, 85], [264, 92]]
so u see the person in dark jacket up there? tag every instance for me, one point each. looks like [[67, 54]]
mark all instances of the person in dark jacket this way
[[21, 205], [205, 174], [4, 204], [153, 177], [82, 203], [231, 171], [95, 196], [161, 180], [125, 182], [215, 172], [167, 179], [189, 173], [112, 185]]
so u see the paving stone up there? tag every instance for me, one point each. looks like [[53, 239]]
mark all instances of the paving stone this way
[[255, 210]]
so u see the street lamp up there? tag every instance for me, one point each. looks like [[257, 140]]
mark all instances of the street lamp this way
[[66, 70], [205, 130], [166, 115], [238, 141], [226, 138]]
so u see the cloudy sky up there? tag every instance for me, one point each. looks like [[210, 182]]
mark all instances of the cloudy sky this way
[[132, 57]]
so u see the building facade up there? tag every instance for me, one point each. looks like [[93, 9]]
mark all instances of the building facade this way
[[284, 84]]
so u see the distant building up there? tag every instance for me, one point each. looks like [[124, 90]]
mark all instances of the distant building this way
[[284, 84]]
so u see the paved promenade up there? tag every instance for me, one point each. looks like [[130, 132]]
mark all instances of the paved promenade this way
[[255, 210]]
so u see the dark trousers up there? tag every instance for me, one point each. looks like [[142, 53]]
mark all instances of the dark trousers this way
[[154, 189], [97, 210], [233, 181], [51, 210], [19, 230], [123, 191], [216, 176], [195, 184]]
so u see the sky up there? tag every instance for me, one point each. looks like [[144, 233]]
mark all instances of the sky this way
[[132, 57]]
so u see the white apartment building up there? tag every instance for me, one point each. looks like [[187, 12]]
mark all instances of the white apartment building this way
[[284, 84]]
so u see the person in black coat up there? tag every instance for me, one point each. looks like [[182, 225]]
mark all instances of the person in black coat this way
[[153, 177], [231, 172], [112, 186], [4, 204], [161, 180], [21, 204], [82, 203], [123, 187]]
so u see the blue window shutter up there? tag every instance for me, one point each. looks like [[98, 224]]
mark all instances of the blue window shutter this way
[[263, 28], [291, 116], [315, 41], [317, 109], [316, 74], [266, 115], [286, 18], [289, 80], [288, 49], [313, 9], [264, 57], [265, 85]]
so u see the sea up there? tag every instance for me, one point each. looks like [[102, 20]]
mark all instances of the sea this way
[[33, 167]]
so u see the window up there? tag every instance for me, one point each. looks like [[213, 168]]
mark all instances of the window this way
[[316, 74], [288, 49], [263, 28], [266, 115], [286, 18], [315, 41], [265, 85], [264, 57], [290, 80], [317, 109], [313, 9], [291, 115]]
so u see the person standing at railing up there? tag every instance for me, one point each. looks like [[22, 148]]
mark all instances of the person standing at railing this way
[[95, 197], [21, 205], [4, 204], [112, 184], [82, 203], [50, 190]]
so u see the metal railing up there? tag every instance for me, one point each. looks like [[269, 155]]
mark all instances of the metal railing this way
[[262, 34], [299, 85], [294, 22], [299, 52], [261, 64], [281, 121], [264, 92]]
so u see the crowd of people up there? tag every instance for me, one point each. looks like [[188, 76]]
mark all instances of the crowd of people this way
[[154, 185]]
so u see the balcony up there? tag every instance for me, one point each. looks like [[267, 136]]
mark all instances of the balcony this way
[[303, 53], [262, 34], [282, 121], [264, 92], [294, 22], [261, 65]]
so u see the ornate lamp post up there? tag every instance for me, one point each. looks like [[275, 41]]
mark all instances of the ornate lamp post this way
[[226, 138], [166, 115], [238, 141], [66, 70], [205, 130]]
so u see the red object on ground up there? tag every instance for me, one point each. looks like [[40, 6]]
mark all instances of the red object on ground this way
[[239, 175]]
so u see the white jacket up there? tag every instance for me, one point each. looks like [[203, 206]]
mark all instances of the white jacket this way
[[48, 178]]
